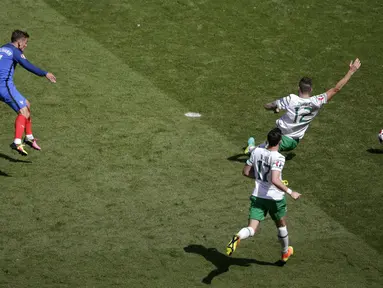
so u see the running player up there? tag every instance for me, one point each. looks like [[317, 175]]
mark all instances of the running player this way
[[301, 109], [11, 54], [268, 195]]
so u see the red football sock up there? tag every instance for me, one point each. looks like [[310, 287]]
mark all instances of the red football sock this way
[[28, 126], [20, 124]]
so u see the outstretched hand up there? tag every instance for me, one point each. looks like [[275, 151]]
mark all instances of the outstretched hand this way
[[51, 77], [295, 195], [354, 66]]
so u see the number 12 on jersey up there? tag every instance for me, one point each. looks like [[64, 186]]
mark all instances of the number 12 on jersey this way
[[305, 114]]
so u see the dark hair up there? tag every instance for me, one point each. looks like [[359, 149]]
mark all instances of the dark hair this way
[[18, 34], [305, 85], [274, 137]]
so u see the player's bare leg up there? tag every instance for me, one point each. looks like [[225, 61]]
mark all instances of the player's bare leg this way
[[283, 238], [29, 139], [244, 233]]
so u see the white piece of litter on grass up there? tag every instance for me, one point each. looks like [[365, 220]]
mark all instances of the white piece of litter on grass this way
[[193, 115]]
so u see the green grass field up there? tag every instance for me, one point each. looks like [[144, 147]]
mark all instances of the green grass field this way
[[128, 192]]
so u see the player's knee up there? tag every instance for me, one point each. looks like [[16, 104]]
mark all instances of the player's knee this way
[[281, 222], [25, 112]]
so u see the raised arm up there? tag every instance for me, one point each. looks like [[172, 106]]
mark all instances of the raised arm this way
[[22, 60], [272, 106], [280, 104], [354, 66]]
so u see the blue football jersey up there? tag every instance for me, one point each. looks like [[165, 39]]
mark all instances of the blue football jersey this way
[[10, 56]]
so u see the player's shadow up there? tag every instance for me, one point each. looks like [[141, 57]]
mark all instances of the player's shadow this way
[[290, 156], [242, 158], [11, 159], [375, 151], [4, 174], [223, 262]]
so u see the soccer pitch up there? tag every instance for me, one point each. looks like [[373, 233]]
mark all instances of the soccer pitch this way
[[128, 192]]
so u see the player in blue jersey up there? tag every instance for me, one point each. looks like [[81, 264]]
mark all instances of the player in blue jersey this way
[[11, 54]]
